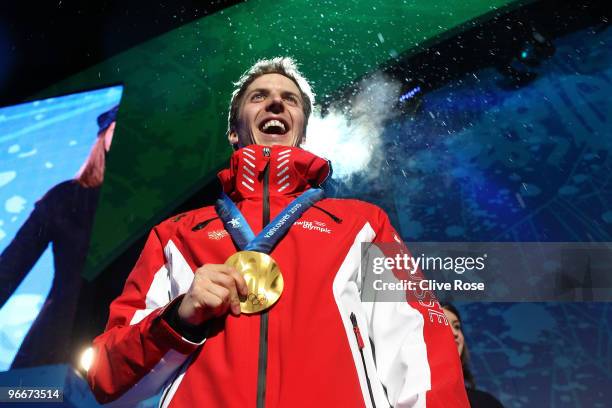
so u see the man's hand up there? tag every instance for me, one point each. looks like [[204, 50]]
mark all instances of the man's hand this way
[[215, 290]]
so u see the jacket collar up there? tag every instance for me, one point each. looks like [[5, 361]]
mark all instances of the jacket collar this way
[[291, 171]]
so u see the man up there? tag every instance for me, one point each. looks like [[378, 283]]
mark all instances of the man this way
[[178, 325]]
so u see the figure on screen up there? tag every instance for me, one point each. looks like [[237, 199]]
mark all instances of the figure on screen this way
[[63, 217], [241, 304]]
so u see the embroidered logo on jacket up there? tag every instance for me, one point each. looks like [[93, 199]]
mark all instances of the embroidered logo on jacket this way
[[217, 235], [314, 226]]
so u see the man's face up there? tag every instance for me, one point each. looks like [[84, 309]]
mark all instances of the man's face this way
[[271, 113]]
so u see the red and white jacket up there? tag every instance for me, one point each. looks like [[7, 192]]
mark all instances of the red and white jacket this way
[[322, 345]]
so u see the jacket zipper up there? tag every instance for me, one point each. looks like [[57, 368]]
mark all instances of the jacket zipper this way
[[266, 189], [262, 367], [361, 345]]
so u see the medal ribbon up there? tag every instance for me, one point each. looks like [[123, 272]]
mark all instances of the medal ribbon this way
[[241, 232]]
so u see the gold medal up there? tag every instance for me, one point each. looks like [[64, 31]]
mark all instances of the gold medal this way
[[263, 278]]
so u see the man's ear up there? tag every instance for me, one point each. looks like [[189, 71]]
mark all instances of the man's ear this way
[[232, 137]]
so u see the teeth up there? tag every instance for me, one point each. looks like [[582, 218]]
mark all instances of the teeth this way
[[274, 122]]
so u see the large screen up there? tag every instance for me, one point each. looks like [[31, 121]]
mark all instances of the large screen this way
[[42, 143]]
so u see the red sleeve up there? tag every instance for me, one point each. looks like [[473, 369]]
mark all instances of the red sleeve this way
[[137, 339], [429, 325]]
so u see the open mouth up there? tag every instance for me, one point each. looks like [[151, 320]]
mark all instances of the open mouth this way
[[274, 127]]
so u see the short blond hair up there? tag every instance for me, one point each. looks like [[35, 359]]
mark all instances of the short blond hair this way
[[286, 66]]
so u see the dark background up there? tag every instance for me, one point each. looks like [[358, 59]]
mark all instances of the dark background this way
[[44, 42]]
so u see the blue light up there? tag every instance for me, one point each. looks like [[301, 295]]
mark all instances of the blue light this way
[[410, 94]]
